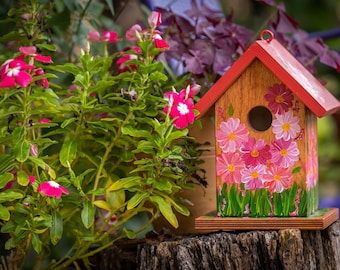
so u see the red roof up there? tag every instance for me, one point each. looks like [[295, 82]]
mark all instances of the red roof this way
[[286, 67]]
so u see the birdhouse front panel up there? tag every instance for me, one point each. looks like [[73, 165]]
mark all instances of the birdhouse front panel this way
[[266, 148]]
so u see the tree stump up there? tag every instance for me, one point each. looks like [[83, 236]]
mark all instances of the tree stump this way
[[282, 249]]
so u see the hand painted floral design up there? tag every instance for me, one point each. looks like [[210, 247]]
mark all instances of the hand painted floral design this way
[[229, 166], [286, 126], [255, 152], [52, 189], [231, 135], [280, 98], [252, 177], [284, 153], [277, 179]]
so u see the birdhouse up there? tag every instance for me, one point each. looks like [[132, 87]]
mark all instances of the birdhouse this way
[[265, 110]]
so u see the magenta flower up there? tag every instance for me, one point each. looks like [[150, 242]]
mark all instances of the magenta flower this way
[[134, 32], [107, 36], [52, 189], [286, 126], [159, 42], [123, 62], [279, 98], [228, 167], [43, 81], [252, 177], [284, 153], [154, 19], [231, 135], [13, 72], [277, 179], [32, 51], [44, 121], [31, 179], [255, 152]]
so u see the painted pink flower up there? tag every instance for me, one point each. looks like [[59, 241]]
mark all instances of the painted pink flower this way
[[13, 72], [255, 152], [159, 42], [154, 19], [107, 36], [284, 153], [52, 189], [277, 179], [231, 134], [32, 51], [228, 167], [123, 62], [286, 126], [279, 98], [252, 177]]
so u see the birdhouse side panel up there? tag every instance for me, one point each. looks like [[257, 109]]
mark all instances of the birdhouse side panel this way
[[261, 148]]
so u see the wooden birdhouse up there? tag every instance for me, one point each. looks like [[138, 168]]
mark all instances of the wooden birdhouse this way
[[265, 110]]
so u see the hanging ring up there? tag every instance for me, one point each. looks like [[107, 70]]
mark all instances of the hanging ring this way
[[264, 35]]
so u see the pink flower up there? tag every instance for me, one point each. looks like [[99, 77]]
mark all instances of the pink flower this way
[[134, 32], [231, 135], [159, 42], [255, 152], [286, 126], [228, 167], [189, 92], [107, 36], [277, 179], [31, 51], [284, 153], [252, 177], [154, 19], [123, 62], [34, 150], [43, 81], [44, 121], [279, 98], [13, 71], [52, 189], [31, 179]]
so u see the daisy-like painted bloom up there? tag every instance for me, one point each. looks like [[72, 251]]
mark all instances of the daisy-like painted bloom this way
[[277, 179], [154, 19], [123, 62], [284, 153], [255, 152], [52, 189], [252, 177], [279, 98], [159, 42], [228, 167], [231, 135], [107, 36], [286, 126], [32, 51], [13, 72]]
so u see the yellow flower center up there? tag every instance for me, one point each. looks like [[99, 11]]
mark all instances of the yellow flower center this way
[[283, 152], [277, 177], [279, 99], [254, 174], [231, 168], [231, 136], [285, 127], [254, 153]]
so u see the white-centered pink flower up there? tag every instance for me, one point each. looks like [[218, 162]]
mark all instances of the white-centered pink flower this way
[[13, 72], [32, 51], [231, 135], [52, 189], [286, 126]]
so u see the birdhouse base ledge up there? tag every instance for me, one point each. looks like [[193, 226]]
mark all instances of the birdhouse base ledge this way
[[321, 219]]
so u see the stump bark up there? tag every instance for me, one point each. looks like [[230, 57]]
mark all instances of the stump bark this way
[[283, 249]]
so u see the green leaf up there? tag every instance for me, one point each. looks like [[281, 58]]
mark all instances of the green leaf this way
[[145, 147], [125, 183], [165, 209], [163, 185], [56, 231], [36, 243], [68, 152], [68, 121], [296, 170], [129, 130], [22, 150], [230, 110], [5, 178], [129, 233], [11, 195], [22, 178], [159, 76], [136, 199], [115, 199], [87, 214], [4, 213], [49, 47], [102, 204], [44, 166]]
